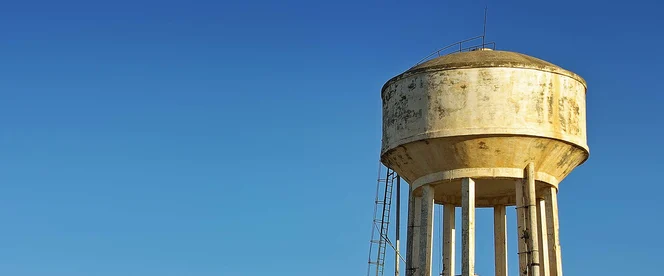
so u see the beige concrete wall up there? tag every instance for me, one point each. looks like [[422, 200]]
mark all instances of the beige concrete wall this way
[[484, 101], [439, 124]]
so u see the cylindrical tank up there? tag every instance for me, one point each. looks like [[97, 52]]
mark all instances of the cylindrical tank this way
[[486, 115]]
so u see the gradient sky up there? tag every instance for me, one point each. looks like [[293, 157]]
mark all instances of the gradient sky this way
[[242, 137]]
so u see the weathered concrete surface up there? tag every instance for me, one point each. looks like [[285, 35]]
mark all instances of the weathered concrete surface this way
[[531, 216], [553, 233], [410, 234], [545, 267], [480, 59], [500, 239], [521, 229], [484, 115], [414, 234], [462, 128], [468, 227], [426, 232]]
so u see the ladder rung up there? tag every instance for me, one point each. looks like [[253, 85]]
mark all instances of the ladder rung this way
[[382, 220]]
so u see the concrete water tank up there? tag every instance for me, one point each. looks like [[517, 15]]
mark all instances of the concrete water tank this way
[[483, 115]]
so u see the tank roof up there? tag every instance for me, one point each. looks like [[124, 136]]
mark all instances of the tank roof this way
[[486, 58]]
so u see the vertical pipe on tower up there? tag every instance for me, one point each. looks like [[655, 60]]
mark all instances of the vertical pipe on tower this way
[[531, 217], [551, 210], [542, 236], [449, 235], [398, 230], [500, 239], [426, 231], [468, 226]]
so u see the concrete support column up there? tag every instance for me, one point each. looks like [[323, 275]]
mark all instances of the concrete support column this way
[[531, 217], [521, 231], [413, 235], [468, 227], [449, 235], [397, 260], [426, 232], [500, 239], [542, 237], [552, 227]]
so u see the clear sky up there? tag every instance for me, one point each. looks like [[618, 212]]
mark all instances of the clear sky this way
[[242, 137]]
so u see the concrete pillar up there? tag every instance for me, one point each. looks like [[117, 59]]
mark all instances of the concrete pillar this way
[[417, 235], [397, 259], [426, 232], [449, 235], [468, 226], [412, 234], [397, 229], [500, 239], [542, 236], [531, 217], [551, 210], [521, 228]]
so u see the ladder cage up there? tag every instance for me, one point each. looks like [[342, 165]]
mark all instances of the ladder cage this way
[[381, 221]]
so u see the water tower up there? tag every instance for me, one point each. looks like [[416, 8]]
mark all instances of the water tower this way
[[484, 129]]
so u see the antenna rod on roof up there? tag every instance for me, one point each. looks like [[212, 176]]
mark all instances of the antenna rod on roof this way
[[484, 32]]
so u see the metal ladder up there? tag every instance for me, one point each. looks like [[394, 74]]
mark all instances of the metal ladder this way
[[381, 222]]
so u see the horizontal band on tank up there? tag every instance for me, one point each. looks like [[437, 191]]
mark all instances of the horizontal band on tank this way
[[483, 202], [481, 173], [489, 192], [426, 70], [490, 132], [486, 59]]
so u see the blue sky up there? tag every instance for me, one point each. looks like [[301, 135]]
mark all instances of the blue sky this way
[[242, 137]]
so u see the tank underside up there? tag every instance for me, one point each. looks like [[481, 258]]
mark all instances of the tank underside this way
[[494, 162]]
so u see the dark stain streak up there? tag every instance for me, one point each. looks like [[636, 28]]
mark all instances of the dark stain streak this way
[[549, 100], [564, 160], [539, 106], [412, 85]]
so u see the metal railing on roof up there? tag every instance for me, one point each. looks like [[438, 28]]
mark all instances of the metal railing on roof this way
[[458, 47]]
